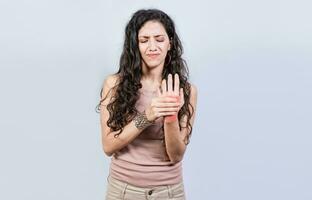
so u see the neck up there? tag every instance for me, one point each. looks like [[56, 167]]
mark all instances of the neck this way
[[152, 75]]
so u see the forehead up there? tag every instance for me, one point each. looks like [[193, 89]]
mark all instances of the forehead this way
[[152, 28]]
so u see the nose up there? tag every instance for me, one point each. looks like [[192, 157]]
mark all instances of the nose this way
[[152, 45]]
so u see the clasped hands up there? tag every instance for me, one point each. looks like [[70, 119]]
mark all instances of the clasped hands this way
[[168, 102]]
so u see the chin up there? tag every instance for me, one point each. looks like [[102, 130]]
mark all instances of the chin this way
[[153, 64]]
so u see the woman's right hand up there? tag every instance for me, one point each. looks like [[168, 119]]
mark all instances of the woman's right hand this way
[[169, 100], [162, 106]]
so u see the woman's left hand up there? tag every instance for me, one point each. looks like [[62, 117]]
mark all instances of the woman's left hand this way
[[172, 89]]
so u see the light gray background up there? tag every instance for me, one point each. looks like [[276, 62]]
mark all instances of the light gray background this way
[[250, 60]]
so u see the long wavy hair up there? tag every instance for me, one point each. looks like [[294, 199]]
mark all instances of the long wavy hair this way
[[122, 106]]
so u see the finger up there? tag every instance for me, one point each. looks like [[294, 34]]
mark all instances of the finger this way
[[167, 105], [170, 90], [164, 87], [175, 109], [167, 99], [176, 97], [176, 84], [181, 95], [162, 114]]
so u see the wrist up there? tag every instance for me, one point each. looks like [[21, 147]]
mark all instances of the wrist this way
[[171, 118], [141, 121]]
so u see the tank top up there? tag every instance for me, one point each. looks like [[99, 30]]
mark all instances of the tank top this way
[[144, 161]]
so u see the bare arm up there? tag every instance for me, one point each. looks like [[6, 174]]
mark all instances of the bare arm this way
[[160, 107], [110, 143], [175, 139]]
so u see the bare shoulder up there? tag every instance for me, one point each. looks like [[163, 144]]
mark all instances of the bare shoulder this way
[[193, 97], [193, 89], [193, 92], [110, 81], [108, 86]]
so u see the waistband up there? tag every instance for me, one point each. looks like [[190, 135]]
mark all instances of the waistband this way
[[123, 186]]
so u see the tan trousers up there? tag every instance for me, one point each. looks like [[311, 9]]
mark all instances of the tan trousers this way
[[118, 190]]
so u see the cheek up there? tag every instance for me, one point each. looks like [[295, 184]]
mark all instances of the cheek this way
[[164, 46], [142, 49]]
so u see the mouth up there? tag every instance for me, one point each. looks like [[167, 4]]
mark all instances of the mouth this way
[[153, 55]]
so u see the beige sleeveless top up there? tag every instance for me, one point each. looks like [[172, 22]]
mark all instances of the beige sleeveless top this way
[[144, 161]]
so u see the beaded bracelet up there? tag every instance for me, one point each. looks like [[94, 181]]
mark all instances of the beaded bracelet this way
[[141, 121]]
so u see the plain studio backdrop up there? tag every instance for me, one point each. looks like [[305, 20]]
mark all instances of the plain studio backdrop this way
[[250, 60]]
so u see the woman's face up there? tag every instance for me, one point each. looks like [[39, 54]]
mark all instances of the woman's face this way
[[153, 44]]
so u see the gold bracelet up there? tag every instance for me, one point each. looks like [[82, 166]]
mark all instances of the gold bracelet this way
[[141, 121]]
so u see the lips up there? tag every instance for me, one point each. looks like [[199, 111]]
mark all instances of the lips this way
[[152, 55]]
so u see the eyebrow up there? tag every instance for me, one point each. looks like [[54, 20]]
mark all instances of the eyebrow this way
[[145, 36]]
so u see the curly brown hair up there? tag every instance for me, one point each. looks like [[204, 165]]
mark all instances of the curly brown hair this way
[[122, 107]]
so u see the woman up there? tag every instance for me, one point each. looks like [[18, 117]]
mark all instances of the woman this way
[[147, 111]]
